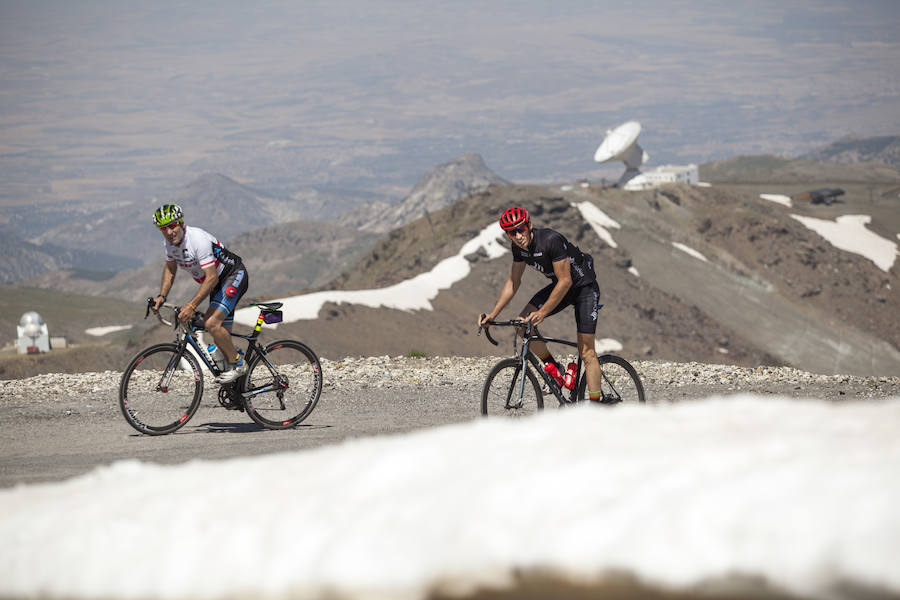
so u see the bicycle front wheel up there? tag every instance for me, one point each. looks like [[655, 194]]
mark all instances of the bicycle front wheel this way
[[160, 390], [502, 388], [621, 383], [283, 384]]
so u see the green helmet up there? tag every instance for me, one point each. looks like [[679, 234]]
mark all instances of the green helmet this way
[[167, 213]]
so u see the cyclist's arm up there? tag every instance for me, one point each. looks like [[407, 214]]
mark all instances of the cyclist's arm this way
[[509, 289], [563, 284], [209, 282], [168, 276]]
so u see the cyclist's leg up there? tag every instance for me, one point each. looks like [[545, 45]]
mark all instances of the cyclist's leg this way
[[220, 334], [536, 302], [220, 314], [585, 303]]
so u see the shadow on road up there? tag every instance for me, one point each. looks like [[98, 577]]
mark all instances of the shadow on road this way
[[246, 427]]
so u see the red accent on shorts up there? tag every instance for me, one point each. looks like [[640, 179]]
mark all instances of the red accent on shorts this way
[[231, 291]]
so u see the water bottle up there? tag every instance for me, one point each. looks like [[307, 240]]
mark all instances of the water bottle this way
[[216, 355], [551, 370], [570, 376]]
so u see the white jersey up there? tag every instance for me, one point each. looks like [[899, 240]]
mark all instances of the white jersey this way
[[197, 250]]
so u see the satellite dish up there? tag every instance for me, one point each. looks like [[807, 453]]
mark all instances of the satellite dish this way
[[621, 144]]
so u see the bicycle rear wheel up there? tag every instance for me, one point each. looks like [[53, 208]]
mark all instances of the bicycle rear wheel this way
[[500, 395], [283, 384], [159, 390], [621, 383]]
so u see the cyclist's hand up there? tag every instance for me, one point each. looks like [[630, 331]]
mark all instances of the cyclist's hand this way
[[187, 311], [534, 318], [482, 321], [157, 303]]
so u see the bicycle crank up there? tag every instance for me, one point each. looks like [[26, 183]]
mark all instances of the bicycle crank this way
[[229, 398]]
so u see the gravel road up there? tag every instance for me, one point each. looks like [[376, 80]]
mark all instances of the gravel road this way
[[56, 426]]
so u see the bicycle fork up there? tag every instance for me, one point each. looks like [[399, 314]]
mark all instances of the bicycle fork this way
[[169, 372], [521, 371]]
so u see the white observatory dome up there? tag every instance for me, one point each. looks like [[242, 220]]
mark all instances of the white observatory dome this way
[[31, 323]]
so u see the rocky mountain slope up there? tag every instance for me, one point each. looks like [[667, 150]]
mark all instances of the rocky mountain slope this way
[[439, 187], [284, 250], [853, 150], [213, 201], [280, 258], [771, 291], [23, 260], [709, 274]]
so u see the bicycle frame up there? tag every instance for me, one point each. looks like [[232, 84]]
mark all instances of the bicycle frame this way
[[186, 334], [525, 354]]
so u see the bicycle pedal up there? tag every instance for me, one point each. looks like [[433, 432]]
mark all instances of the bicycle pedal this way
[[607, 400]]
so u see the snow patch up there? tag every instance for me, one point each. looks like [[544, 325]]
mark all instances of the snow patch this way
[[412, 294], [100, 331], [690, 251], [607, 346], [779, 198], [599, 221], [849, 233]]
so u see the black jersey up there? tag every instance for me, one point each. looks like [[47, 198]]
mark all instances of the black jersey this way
[[548, 246]]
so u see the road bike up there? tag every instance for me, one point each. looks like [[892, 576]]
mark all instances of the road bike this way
[[512, 388], [162, 385]]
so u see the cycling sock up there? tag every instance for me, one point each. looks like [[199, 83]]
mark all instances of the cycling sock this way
[[546, 357], [595, 395]]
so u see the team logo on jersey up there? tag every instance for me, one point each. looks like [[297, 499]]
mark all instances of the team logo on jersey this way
[[231, 291]]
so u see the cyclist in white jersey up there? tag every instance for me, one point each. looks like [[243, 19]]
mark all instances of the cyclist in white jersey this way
[[220, 273]]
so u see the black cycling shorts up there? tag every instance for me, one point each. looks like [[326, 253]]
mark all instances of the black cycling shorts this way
[[228, 291], [584, 299]]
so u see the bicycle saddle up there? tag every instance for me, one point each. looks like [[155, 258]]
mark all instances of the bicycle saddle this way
[[269, 306]]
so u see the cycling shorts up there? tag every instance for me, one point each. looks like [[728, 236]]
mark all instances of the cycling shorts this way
[[228, 291], [584, 298]]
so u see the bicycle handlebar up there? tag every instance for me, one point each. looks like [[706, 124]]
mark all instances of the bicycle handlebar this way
[[510, 323], [196, 321]]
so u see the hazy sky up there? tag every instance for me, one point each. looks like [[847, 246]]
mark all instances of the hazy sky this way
[[122, 99]]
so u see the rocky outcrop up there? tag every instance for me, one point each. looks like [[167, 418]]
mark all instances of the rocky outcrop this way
[[440, 187]]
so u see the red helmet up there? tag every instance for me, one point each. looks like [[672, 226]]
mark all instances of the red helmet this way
[[514, 217]]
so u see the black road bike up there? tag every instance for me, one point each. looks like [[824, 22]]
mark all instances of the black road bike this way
[[162, 386], [512, 388]]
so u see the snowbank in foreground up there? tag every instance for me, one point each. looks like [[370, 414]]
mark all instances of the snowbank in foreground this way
[[801, 493]]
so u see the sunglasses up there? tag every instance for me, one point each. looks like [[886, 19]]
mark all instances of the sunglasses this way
[[517, 230], [169, 226]]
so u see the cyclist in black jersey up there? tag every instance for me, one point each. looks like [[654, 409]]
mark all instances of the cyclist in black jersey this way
[[572, 283]]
